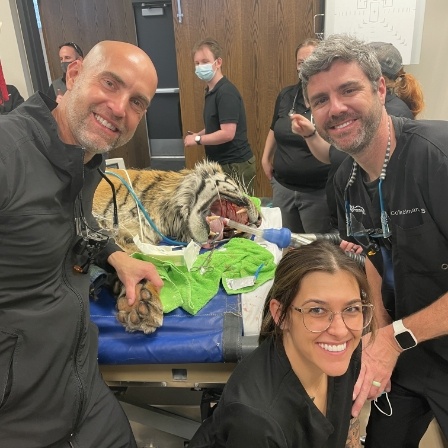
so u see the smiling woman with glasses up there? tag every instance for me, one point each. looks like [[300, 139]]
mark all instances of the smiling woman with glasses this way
[[295, 389], [317, 319]]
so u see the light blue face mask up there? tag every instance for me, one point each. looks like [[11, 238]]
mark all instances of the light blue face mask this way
[[205, 72]]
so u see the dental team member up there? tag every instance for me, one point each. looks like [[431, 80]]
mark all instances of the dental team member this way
[[68, 53], [295, 390], [225, 134]]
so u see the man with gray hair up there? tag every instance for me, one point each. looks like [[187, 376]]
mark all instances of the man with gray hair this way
[[389, 201]]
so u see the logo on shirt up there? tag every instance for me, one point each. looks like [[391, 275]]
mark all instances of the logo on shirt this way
[[357, 209], [408, 211]]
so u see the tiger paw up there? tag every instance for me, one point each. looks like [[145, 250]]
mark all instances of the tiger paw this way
[[146, 314]]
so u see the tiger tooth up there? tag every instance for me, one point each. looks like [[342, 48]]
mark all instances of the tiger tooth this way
[[241, 210], [213, 217]]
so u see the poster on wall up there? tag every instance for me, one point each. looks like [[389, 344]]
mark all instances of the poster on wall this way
[[399, 22]]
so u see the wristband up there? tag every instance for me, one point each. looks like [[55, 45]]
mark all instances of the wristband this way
[[313, 133]]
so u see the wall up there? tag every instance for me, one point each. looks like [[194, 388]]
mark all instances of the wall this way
[[431, 72], [12, 52]]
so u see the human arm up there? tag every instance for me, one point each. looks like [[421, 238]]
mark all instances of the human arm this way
[[131, 272], [375, 282], [320, 149], [267, 161], [380, 356], [223, 135], [354, 434]]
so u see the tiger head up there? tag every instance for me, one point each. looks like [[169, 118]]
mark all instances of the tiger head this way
[[184, 205], [210, 193]]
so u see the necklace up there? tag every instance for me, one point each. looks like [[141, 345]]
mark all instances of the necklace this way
[[313, 397], [383, 169]]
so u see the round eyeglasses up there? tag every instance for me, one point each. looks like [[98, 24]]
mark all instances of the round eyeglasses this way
[[317, 319]]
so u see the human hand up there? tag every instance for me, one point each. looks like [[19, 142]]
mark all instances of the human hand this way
[[59, 96], [189, 139], [379, 358], [348, 246], [300, 125], [131, 271]]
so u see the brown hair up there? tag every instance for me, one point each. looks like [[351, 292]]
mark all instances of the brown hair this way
[[408, 89], [212, 45], [319, 256], [307, 43]]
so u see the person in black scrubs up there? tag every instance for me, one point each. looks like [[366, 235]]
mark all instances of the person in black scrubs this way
[[390, 196], [297, 178], [225, 133], [295, 389]]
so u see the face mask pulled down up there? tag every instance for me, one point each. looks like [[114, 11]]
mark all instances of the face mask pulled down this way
[[205, 72]]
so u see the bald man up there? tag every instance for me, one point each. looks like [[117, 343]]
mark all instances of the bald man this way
[[51, 392]]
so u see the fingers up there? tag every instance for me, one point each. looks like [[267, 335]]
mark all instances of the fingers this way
[[155, 278], [359, 381], [130, 292], [347, 246], [363, 395]]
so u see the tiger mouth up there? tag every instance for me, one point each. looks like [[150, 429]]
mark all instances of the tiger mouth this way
[[227, 209]]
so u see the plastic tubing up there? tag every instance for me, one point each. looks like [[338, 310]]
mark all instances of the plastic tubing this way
[[282, 237], [285, 238]]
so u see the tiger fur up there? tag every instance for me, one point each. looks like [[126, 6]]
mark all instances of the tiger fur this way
[[180, 205]]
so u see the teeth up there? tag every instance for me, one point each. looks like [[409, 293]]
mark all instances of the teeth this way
[[105, 123], [213, 234], [334, 348], [343, 125], [241, 210], [212, 218]]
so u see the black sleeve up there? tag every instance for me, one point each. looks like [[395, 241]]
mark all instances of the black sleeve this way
[[276, 109], [229, 106]]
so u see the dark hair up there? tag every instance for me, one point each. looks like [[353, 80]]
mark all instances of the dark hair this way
[[76, 47], [319, 256], [212, 45]]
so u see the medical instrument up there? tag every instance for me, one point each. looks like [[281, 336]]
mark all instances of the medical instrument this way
[[91, 241], [283, 237], [205, 266]]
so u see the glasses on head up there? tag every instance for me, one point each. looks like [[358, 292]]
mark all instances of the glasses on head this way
[[74, 46], [317, 319], [356, 229]]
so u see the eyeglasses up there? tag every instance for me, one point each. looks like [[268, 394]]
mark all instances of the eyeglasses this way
[[356, 229], [74, 46], [317, 319]]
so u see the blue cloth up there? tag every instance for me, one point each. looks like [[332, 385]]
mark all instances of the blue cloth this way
[[183, 338]]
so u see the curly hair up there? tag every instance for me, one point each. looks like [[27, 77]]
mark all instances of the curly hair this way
[[408, 89]]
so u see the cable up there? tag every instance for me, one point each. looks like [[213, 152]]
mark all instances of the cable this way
[[165, 239], [114, 198]]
